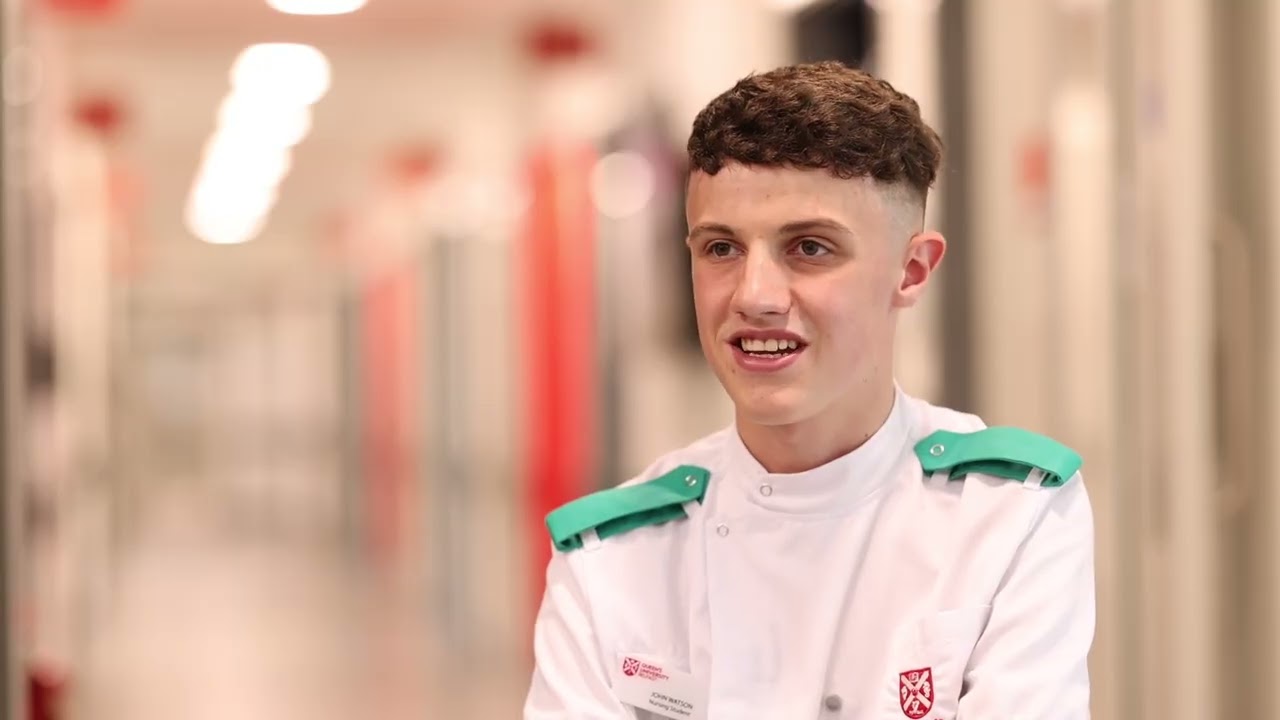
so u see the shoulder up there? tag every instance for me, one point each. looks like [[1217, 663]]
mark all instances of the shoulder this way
[[989, 493], [657, 495], [956, 445]]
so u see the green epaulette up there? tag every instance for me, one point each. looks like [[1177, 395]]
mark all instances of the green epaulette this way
[[1005, 452], [619, 510]]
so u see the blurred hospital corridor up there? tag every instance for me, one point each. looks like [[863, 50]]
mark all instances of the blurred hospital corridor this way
[[209, 619], [311, 311]]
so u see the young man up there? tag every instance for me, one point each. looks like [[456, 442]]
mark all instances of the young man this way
[[843, 549]]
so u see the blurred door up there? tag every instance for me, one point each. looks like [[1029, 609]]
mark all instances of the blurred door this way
[[1245, 114], [13, 202]]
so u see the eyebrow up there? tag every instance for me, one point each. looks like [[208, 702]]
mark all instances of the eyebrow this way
[[711, 228], [800, 226], [796, 226]]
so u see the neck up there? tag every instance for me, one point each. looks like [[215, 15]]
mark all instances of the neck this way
[[818, 440]]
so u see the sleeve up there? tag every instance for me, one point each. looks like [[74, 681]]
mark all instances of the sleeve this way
[[569, 677], [1032, 660]]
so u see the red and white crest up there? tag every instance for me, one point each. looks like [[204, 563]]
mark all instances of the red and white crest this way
[[630, 666], [915, 692]]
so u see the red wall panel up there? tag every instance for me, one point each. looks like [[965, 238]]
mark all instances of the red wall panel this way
[[557, 279], [388, 361]]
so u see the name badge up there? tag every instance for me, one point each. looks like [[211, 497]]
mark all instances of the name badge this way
[[658, 688]]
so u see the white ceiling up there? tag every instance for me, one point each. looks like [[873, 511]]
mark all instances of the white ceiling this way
[[182, 21], [433, 71]]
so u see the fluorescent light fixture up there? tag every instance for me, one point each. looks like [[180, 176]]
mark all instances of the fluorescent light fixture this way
[[222, 198], [790, 5], [268, 111], [235, 190], [218, 216], [281, 74], [244, 162], [316, 7], [226, 230], [267, 123]]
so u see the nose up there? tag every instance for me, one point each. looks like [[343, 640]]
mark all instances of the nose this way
[[763, 288]]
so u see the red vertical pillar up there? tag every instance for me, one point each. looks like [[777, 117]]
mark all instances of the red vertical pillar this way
[[557, 275], [387, 364]]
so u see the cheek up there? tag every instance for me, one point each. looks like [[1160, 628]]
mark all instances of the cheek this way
[[849, 319], [711, 294]]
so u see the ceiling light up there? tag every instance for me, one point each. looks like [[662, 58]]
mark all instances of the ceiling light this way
[[281, 74], [268, 123], [243, 162], [267, 112], [316, 7], [790, 5], [224, 219]]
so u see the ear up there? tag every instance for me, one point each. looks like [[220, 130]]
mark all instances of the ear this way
[[920, 258]]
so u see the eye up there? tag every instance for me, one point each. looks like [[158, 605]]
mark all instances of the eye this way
[[811, 248], [720, 249]]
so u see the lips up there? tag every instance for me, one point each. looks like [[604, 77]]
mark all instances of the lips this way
[[765, 352]]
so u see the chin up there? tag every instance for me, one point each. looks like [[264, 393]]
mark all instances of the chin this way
[[778, 407]]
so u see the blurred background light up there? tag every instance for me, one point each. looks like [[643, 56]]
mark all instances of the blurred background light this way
[[622, 184], [244, 161], [790, 5], [226, 216], [284, 124], [316, 7], [267, 112], [281, 73]]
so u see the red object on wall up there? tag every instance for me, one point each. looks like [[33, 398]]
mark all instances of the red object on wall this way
[[46, 694], [101, 114], [86, 8], [124, 197], [414, 164], [387, 359], [104, 116], [556, 273], [556, 41], [1033, 166]]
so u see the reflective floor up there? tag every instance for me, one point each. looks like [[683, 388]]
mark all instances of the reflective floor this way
[[212, 619]]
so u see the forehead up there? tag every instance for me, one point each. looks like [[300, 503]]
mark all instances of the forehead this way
[[755, 197]]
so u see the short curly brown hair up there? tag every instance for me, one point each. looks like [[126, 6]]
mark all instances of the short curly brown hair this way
[[822, 115]]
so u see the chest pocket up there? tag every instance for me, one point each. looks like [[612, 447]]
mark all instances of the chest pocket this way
[[928, 664]]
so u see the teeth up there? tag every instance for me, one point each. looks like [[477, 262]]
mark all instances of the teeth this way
[[768, 346]]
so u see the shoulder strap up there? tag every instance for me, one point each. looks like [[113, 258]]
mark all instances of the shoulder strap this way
[[619, 510], [1005, 452]]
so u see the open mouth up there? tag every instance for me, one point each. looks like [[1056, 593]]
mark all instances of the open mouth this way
[[768, 349]]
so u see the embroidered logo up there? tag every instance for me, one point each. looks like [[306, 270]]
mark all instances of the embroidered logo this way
[[915, 692], [640, 670]]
